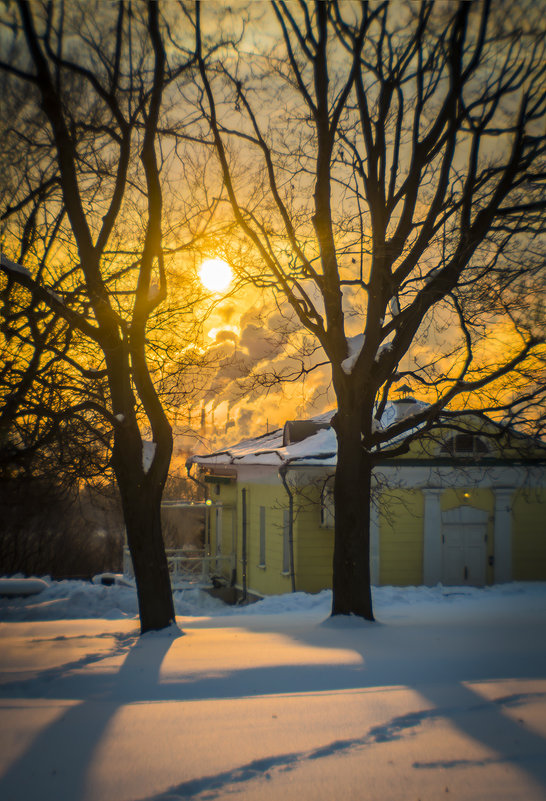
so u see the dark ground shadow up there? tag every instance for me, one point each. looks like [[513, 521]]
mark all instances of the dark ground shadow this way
[[59, 757], [525, 755], [384, 661]]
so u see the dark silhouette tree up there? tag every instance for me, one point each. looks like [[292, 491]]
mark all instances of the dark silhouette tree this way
[[84, 269], [386, 162]]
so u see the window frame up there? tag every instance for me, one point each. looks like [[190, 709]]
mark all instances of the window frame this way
[[262, 543], [327, 507], [285, 571], [452, 446]]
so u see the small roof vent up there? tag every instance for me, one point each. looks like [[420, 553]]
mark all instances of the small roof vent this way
[[406, 407], [298, 430], [404, 390]]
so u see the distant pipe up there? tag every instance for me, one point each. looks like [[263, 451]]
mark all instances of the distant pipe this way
[[282, 472], [202, 484], [243, 546]]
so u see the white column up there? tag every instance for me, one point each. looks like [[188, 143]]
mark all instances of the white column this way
[[503, 535], [432, 538], [374, 539]]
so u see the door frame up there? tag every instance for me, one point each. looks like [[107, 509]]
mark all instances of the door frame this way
[[461, 516]]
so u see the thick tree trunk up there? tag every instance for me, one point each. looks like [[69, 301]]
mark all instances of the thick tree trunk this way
[[145, 540], [141, 495], [352, 494]]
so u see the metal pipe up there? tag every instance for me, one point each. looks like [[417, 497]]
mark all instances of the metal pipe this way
[[202, 484], [243, 545], [282, 472]]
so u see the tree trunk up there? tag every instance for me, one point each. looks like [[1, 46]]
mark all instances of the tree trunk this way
[[141, 495], [352, 495]]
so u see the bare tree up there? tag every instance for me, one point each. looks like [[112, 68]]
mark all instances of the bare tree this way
[[51, 529], [398, 156], [88, 86]]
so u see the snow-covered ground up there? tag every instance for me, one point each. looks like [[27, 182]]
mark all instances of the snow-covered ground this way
[[444, 697]]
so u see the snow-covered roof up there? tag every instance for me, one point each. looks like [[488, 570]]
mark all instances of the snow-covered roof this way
[[269, 450], [318, 448]]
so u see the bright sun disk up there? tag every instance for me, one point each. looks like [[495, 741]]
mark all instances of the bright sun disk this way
[[215, 274]]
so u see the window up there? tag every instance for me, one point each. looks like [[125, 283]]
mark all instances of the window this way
[[464, 445], [286, 542], [262, 536], [327, 516], [218, 526]]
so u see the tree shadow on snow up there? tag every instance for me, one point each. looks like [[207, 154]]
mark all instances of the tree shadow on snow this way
[[56, 763], [379, 660], [525, 756]]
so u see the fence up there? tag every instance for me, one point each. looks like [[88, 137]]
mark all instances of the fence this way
[[186, 568]]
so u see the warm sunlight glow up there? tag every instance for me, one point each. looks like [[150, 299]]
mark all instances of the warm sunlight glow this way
[[225, 332], [215, 274]]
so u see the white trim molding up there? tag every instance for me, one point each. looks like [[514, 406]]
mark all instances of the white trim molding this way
[[432, 537], [503, 535]]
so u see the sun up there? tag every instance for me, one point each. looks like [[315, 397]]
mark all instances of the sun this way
[[215, 274]]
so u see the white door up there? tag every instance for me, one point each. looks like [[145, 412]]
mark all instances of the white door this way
[[464, 554]]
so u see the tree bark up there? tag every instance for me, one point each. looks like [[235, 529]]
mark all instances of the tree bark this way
[[352, 495], [141, 494]]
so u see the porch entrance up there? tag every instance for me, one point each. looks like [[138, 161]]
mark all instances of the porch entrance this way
[[464, 554]]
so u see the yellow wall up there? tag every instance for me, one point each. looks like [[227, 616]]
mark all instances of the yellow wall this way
[[529, 536], [314, 546], [401, 538], [268, 580], [401, 535]]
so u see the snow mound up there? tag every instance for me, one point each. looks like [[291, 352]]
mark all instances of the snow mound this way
[[21, 586], [71, 600]]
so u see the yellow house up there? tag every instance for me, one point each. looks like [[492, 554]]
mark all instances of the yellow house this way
[[462, 507]]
